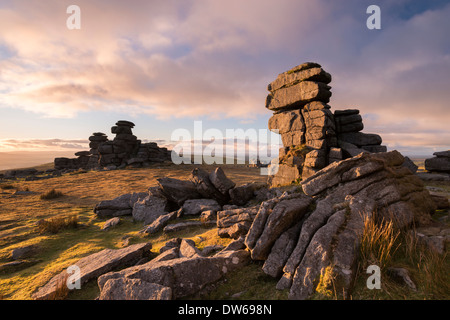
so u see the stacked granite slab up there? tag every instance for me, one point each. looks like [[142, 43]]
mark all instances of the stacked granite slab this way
[[299, 98], [351, 140]]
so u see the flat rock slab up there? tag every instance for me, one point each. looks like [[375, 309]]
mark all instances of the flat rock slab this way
[[94, 266], [296, 96], [185, 276]]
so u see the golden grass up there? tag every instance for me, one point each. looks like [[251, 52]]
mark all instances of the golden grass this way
[[19, 216], [52, 194], [378, 242]]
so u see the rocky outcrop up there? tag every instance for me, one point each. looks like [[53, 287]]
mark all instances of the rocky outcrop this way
[[124, 150], [312, 135], [182, 274], [439, 163]]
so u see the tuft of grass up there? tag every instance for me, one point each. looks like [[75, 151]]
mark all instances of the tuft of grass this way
[[52, 194], [54, 225], [378, 242]]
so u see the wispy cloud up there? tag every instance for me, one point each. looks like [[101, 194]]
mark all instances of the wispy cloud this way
[[188, 59], [42, 144]]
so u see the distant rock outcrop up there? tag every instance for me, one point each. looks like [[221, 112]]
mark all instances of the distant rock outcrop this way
[[124, 150], [439, 163]]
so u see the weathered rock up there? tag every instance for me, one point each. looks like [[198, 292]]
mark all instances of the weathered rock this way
[[284, 214], [177, 190], [159, 223], [209, 217], [408, 163], [400, 195], [197, 206], [242, 194], [350, 150], [188, 249], [297, 95], [149, 209], [111, 223], [24, 252], [316, 258], [360, 139], [287, 121], [220, 181], [120, 206], [438, 164], [306, 71], [181, 226], [172, 243], [286, 175], [234, 223], [200, 178], [281, 250], [95, 265], [185, 276], [134, 289], [401, 275]]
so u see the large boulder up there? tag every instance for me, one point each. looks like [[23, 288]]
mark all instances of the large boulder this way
[[150, 208], [134, 289], [220, 181], [297, 95], [177, 190], [185, 276], [197, 206], [95, 265], [120, 206], [440, 163]]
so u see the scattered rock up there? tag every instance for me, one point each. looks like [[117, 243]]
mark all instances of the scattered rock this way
[[111, 223], [159, 223], [181, 226], [235, 222], [178, 191], [401, 275], [242, 194], [24, 252]]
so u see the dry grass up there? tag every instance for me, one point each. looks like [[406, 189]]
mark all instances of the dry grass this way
[[52, 194], [19, 216], [378, 242], [54, 225]]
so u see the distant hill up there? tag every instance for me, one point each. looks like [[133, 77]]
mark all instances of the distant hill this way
[[24, 159]]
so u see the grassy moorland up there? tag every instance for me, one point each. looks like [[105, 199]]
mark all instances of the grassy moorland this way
[[74, 231]]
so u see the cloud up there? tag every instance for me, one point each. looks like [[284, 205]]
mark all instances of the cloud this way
[[43, 144], [189, 59]]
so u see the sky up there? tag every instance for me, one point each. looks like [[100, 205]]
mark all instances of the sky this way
[[165, 64]]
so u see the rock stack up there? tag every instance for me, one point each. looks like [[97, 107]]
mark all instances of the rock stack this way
[[125, 149], [350, 139], [312, 136], [439, 163], [303, 119], [118, 151]]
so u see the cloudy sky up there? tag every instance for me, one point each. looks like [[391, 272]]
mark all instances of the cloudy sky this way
[[165, 64]]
